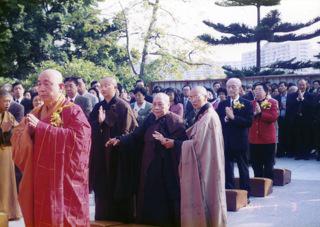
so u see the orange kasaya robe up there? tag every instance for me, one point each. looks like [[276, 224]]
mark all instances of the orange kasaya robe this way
[[54, 161]]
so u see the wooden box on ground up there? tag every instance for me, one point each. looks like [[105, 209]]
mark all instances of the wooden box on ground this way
[[236, 199], [104, 223], [3, 219], [281, 177], [260, 187]]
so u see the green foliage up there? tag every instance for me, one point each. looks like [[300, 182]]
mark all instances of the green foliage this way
[[58, 34], [78, 67], [251, 71], [267, 30], [163, 66]]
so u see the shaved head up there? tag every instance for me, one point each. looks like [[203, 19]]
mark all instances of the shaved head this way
[[200, 90], [163, 97], [50, 85], [109, 79], [160, 105], [198, 97], [108, 87], [53, 74]]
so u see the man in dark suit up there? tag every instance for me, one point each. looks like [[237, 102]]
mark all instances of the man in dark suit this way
[[188, 110], [316, 125], [71, 88], [236, 115], [82, 90], [300, 107], [283, 133], [18, 92]]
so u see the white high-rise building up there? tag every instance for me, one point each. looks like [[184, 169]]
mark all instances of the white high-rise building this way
[[273, 52]]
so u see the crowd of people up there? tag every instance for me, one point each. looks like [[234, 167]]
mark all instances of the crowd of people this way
[[162, 157]]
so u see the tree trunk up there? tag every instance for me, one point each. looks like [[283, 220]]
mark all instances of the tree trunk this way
[[258, 52], [147, 39]]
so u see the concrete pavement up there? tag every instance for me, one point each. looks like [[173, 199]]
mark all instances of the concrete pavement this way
[[293, 205]]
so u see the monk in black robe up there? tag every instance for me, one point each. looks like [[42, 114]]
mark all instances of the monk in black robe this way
[[159, 188], [111, 173]]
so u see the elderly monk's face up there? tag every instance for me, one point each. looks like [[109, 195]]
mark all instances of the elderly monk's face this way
[[160, 107], [197, 99], [49, 88], [108, 88], [5, 103]]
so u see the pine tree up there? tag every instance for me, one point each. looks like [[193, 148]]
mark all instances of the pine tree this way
[[267, 29]]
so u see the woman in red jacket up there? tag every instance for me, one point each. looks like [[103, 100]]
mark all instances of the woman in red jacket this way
[[262, 134]]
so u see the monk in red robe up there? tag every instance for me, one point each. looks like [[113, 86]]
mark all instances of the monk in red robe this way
[[51, 147]]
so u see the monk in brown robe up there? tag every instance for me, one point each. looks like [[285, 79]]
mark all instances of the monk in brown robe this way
[[202, 180], [159, 191], [8, 191], [111, 172]]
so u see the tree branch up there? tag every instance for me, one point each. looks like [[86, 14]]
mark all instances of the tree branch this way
[[180, 59], [128, 40]]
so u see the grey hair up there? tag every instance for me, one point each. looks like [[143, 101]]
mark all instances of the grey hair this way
[[4, 93]]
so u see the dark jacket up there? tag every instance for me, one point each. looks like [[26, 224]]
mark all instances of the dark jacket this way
[[235, 132]]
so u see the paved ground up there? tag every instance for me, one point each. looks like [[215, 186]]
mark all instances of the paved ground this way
[[294, 205]]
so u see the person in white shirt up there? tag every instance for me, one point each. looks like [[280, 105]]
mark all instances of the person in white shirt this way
[[141, 107]]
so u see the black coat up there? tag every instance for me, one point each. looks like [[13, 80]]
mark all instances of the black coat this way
[[299, 116], [235, 132], [111, 175], [159, 188]]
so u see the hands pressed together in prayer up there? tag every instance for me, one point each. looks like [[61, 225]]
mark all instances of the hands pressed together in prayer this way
[[102, 115], [300, 96], [229, 114], [257, 109], [167, 143], [32, 121]]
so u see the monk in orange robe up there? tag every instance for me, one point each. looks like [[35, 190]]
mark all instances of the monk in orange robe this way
[[51, 147]]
